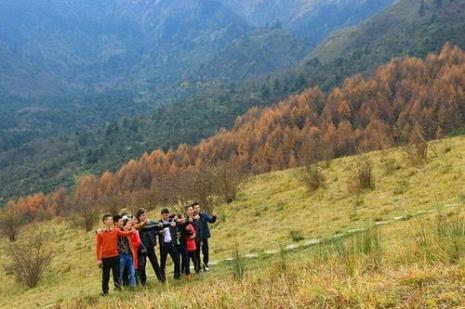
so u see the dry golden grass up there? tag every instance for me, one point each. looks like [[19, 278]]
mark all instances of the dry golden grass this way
[[270, 210]]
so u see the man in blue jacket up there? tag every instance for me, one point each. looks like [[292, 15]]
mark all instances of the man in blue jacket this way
[[204, 219]]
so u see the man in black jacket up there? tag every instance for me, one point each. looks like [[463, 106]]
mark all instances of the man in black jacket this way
[[148, 231], [204, 219], [168, 241]]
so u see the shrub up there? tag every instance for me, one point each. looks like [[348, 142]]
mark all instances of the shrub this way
[[237, 264], [360, 252], [282, 263], [280, 206], [363, 178], [313, 177], [11, 223], [296, 235], [443, 239], [417, 154], [402, 187], [29, 259], [389, 165], [365, 175]]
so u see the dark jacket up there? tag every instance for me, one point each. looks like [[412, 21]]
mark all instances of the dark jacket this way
[[198, 231], [182, 233], [148, 233], [204, 220], [173, 233]]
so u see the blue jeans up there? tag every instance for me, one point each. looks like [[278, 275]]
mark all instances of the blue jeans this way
[[182, 250], [126, 261]]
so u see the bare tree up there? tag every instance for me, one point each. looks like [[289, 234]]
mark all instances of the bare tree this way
[[227, 178], [29, 259], [11, 223], [205, 187]]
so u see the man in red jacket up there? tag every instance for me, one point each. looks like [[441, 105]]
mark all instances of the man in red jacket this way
[[107, 252]]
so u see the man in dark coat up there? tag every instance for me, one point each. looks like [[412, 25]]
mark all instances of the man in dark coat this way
[[203, 220]]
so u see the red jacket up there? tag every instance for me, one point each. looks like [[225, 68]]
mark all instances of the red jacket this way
[[135, 239], [190, 240]]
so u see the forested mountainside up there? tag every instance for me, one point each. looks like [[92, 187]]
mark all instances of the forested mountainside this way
[[404, 102]]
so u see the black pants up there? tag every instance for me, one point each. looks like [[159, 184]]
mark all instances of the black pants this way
[[193, 255], [197, 257], [205, 252], [143, 262], [166, 249], [107, 264]]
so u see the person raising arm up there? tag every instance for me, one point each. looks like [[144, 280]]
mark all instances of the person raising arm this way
[[107, 252]]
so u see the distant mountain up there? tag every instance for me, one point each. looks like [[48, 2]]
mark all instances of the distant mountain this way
[[108, 59], [50, 47], [312, 20], [258, 53], [414, 27], [56, 47]]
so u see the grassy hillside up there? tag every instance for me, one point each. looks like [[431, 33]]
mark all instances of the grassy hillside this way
[[276, 210]]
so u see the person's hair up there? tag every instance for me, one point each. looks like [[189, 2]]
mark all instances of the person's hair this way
[[140, 212], [179, 216], [187, 207], [125, 221], [105, 216], [116, 218], [165, 211], [125, 214], [195, 204]]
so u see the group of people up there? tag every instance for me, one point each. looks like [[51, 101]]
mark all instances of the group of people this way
[[125, 244]]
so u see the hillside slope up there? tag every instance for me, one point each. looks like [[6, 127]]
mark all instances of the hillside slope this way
[[256, 54], [275, 210], [414, 28], [310, 19]]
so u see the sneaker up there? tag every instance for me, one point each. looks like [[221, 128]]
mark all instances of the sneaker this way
[[205, 268]]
